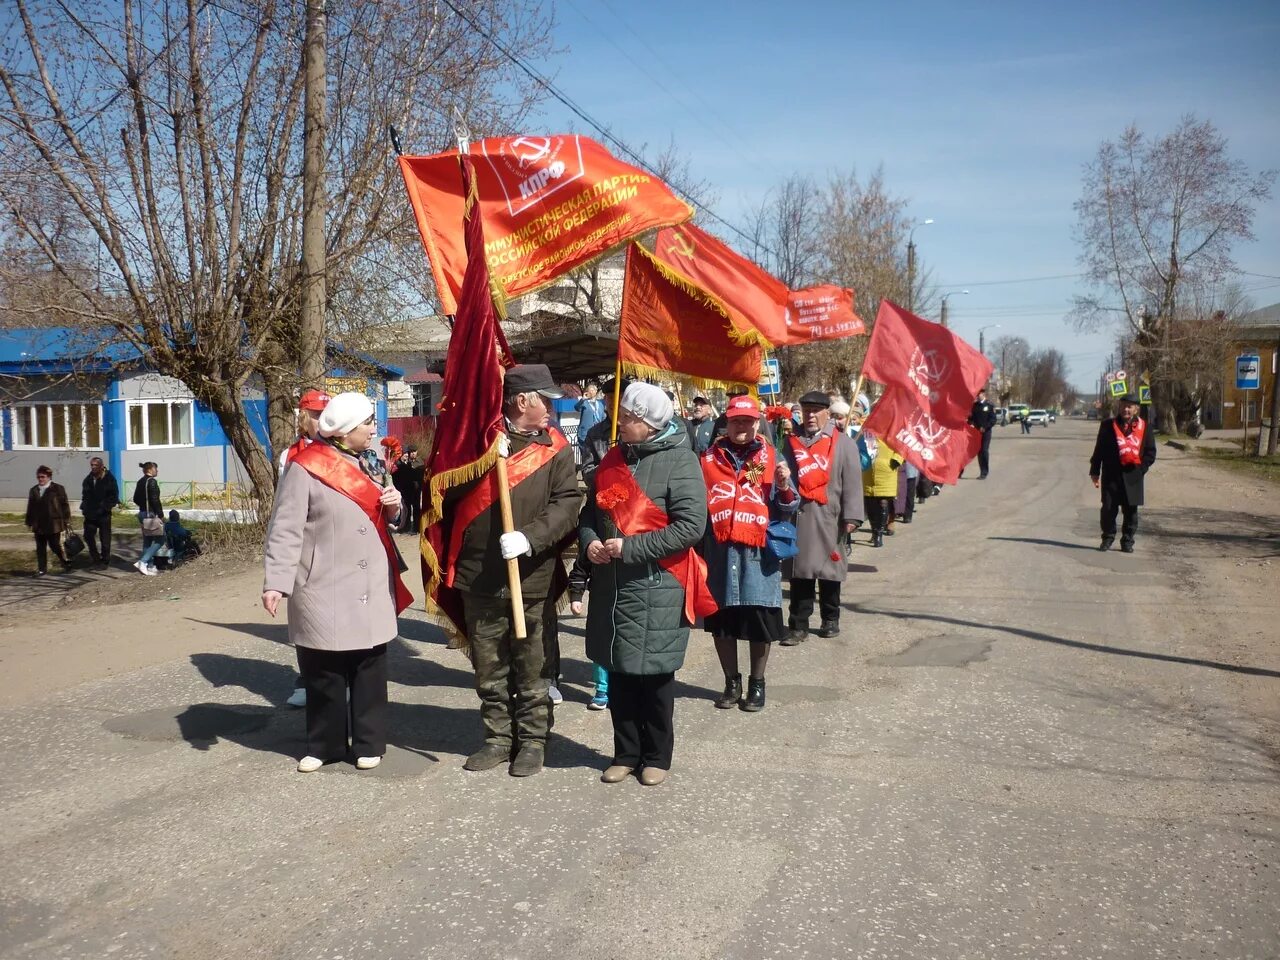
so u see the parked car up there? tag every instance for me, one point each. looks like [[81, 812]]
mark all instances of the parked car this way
[[1038, 416], [1053, 416], [1002, 415], [1017, 411]]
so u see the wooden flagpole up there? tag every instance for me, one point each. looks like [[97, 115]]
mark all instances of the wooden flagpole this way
[[518, 628]]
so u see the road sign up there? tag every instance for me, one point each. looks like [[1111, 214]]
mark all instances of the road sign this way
[[1144, 393], [1248, 371], [770, 383], [1119, 387]]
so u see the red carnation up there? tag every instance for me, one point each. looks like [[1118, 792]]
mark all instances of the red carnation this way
[[835, 555], [611, 496]]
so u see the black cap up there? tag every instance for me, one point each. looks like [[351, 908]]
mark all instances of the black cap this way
[[815, 398], [527, 377], [1131, 398], [698, 400]]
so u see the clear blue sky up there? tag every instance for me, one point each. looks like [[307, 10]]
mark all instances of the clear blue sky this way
[[982, 115]]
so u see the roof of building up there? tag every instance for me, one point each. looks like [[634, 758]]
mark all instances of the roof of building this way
[[57, 350], [1262, 317]]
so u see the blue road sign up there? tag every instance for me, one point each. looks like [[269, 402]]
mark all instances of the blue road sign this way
[[770, 383], [1248, 371]]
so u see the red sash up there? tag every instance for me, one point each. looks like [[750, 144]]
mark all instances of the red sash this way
[[633, 512], [338, 473], [520, 466], [813, 466], [739, 504], [292, 453], [1130, 443]]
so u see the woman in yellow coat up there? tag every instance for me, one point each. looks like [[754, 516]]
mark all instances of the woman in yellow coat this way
[[879, 488]]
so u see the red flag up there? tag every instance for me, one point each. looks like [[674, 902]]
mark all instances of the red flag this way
[[470, 416], [551, 204], [939, 450], [669, 325], [761, 308], [928, 360]]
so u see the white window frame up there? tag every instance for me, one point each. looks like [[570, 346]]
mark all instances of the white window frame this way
[[131, 405], [46, 407]]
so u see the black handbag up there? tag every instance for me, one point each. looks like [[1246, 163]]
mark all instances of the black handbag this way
[[73, 545]]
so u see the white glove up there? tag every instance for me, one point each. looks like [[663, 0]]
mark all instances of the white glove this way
[[514, 544]]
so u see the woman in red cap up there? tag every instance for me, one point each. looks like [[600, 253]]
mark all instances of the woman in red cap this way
[[748, 487]]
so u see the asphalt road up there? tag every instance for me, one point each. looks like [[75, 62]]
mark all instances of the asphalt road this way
[[1017, 747]]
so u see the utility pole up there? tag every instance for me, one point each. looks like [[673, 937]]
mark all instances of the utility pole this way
[[911, 273], [312, 314], [942, 317], [1274, 434]]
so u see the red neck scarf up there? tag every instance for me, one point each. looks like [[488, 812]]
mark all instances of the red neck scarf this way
[[1130, 443], [813, 466], [632, 512], [338, 473], [738, 498]]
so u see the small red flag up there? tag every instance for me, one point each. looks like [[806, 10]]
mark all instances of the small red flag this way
[[669, 325], [939, 450], [928, 360], [551, 204], [470, 417]]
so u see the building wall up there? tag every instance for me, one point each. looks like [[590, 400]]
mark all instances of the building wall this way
[[1258, 401]]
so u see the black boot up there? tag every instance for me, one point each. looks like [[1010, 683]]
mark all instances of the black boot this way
[[755, 695], [732, 692], [1126, 545], [830, 628], [1106, 543], [877, 538], [796, 634]]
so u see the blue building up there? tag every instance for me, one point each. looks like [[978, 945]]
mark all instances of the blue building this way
[[67, 395]]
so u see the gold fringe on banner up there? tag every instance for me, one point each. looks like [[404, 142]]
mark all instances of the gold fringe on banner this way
[[743, 338], [641, 371]]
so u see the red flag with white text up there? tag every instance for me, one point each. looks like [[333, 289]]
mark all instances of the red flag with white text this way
[[940, 450], [942, 371]]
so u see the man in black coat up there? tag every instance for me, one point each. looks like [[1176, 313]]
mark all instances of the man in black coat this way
[[99, 495], [983, 418], [1122, 455]]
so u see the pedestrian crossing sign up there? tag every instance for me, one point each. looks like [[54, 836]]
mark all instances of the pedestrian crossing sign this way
[[1144, 394], [1119, 387]]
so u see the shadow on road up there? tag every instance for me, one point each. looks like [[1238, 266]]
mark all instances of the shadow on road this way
[[1064, 642], [1047, 543], [1229, 533]]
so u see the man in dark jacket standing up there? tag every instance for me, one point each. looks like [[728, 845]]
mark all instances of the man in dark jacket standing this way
[[983, 417], [1122, 455], [48, 516], [99, 495], [513, 676]]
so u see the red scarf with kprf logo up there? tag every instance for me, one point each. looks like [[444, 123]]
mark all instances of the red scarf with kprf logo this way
[[813, 466], [1130, 443], [738, 498], [338, 473], [632, 512]]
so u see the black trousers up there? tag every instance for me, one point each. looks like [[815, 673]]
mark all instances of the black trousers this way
[[643, 713], [878, 510], [329, 676], [802, 592], [96, 528], [43, 542], [910, 509], [1110, 505], [984, 452]]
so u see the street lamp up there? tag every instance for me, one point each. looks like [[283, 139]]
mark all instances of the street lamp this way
[[943, 318], [982, 342], [911, 265]]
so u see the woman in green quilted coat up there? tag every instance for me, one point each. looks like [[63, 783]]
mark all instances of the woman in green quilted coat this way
[[646, 510]]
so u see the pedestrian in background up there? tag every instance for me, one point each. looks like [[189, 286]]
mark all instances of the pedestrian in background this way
[[146, 496], [591, 410], [983, 417], [645, 511], [1122, 455], [99, 495], [329, 552], [48, 517]]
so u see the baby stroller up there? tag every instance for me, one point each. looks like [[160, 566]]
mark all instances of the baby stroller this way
[[179, 542]]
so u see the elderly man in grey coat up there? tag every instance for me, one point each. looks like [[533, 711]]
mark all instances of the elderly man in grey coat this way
[[828, 474]]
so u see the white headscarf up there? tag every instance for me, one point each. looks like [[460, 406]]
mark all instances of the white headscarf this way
[[650, 403]]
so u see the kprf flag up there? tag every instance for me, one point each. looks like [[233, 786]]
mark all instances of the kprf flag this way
[[550, 204], [928, 360], [669, 325], [761, 308], [939, 449], [469, 423]]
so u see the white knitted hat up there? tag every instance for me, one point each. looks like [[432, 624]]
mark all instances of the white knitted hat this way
[[344, 413], [650, 403]]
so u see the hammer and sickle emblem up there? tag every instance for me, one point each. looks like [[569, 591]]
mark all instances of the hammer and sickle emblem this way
[[682, 246]]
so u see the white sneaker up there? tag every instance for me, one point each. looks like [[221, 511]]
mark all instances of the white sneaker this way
[[144, 570], [554, 693], [151, 569], [367, 763], [310, 764], [298, 698]]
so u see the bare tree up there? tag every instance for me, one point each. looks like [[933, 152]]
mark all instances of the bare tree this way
[[173, 130], [1155, 216]]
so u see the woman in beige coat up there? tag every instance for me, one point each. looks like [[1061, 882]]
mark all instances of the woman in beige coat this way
[[329, 552]]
